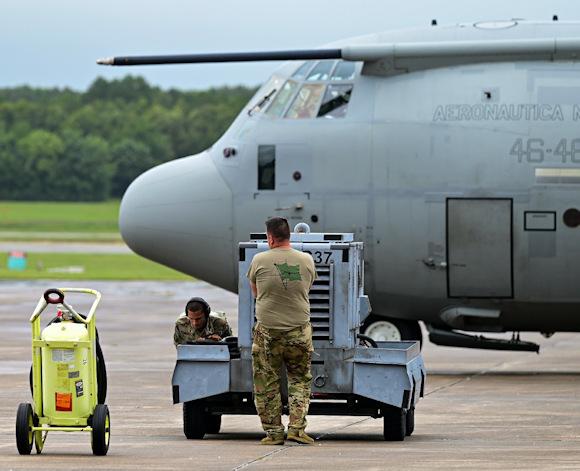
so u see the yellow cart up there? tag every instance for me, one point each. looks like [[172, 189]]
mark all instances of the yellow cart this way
[[64, 378]]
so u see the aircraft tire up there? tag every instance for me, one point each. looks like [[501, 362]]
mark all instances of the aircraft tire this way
[[383, 328]]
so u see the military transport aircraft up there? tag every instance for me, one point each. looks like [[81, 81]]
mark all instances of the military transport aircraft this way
[[452, 152]]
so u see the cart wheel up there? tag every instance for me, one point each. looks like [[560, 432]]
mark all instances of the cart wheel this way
[[213, 423], [39, 439], [410, 422], [394, 424], [24, 424], [194, 419], [101, 374], [101, 433]]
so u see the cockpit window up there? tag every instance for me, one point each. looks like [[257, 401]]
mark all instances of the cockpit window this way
[[306, 103], [321, 71], [335, 101], [317, 89], [300, 74], [279, 104], [265, 94], [344, 71]]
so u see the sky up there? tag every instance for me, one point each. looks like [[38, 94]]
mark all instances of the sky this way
[[56, 43]]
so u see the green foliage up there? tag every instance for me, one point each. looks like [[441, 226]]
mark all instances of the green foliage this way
[[64, 145], [61, 217]]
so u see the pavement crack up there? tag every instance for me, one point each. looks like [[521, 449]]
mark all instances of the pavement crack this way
[[260, 458], [288, 447], [342, 428]]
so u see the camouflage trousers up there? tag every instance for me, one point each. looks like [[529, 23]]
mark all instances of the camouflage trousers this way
[[270, 350]]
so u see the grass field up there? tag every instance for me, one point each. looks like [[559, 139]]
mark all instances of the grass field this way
[[59, 217], [80, 266], [65, 222]]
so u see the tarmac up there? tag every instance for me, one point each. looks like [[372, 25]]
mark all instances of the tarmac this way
[[481, 410]]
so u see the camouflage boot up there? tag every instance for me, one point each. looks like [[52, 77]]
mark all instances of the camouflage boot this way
[[273, 440], [299, 436]]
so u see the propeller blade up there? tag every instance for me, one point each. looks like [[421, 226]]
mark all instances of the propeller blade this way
[[312, 54]]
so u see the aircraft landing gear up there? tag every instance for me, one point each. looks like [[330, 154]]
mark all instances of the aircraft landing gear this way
[[390, 329]]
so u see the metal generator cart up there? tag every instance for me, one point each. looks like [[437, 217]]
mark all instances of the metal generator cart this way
[[352, 374]]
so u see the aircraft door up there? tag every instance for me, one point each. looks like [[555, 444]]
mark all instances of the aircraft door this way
[[283, 178], [479, 248]]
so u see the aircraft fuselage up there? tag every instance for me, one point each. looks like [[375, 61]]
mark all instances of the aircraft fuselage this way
[[462, 181]]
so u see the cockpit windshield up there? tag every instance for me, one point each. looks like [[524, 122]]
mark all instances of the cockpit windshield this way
[[302, 71], [343, 71], [279, 104], [321, 71], [317, 89], [265, 94], [335, 101], [306, 103]]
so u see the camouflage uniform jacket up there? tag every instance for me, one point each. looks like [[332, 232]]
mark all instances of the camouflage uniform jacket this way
[[184, 331]]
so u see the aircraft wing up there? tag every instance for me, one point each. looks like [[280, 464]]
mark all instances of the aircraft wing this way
[[387, 59]]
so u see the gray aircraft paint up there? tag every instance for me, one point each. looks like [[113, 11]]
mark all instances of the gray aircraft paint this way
[[410, 144]]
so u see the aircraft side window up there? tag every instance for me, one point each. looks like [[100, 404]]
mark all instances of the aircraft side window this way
[[306, 103], [344, 71], [301, 72], [282, 99], [335, 101], [266, 167], [321, 71]]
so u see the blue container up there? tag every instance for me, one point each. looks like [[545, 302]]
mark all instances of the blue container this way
[[16, 260]]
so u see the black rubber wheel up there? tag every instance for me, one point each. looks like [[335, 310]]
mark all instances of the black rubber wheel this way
[[410, 422], [101, 374], [194, 419], [24, 424], [388, 328], [101, 434], [213, 423], [394, 424]]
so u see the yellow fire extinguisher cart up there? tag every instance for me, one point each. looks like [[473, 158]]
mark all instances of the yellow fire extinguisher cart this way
[[64, 378]]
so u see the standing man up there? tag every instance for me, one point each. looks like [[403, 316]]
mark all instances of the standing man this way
[[198, 322], [281, 279]]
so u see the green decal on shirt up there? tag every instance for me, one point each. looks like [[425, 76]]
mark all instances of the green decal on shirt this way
[[288, 273]]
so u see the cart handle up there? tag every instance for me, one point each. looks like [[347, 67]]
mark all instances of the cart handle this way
[[47, 299], [50, 300]]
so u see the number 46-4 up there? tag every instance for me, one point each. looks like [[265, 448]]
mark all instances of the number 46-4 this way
[[533, 150]]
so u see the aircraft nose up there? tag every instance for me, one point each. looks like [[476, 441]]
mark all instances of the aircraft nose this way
[[179, 214]]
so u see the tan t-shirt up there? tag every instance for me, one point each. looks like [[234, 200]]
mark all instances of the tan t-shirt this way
[[283, 278]]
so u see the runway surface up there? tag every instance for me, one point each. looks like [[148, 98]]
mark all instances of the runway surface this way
[[482, 410]]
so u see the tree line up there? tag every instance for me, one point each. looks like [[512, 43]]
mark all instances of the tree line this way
[[64, 145]]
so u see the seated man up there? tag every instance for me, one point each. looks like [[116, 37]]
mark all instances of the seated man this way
[[198, 323]]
